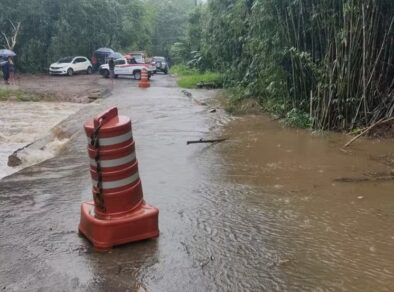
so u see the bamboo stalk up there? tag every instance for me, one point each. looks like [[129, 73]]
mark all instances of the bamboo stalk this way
[[364, 97], [383, 121]]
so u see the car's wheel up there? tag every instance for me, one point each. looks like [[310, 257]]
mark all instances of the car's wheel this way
[[105, 73], [116, 76], [137, 75], [70, 72], [165, 71], [90, 70]]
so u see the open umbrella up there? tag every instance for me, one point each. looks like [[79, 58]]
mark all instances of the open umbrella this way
[[104, 50], [7, 53]]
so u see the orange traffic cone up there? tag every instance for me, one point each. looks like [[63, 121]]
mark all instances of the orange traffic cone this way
[[144, 82], [118, 214]]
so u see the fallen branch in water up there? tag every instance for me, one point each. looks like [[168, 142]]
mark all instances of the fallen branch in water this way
[[13, 159], [364, 179], [367, 130], [206, 141]]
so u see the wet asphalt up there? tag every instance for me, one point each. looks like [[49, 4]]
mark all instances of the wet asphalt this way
[[261, 211], [40, 249]]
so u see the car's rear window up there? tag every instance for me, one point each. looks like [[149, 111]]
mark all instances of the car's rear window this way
[[160, 59], [66, 60]]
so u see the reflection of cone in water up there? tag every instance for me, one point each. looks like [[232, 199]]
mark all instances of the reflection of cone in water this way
[[144, 82], [119, 213]]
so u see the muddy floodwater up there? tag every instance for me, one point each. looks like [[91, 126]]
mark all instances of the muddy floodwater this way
[[325, 218], [22, 123], [269, 209]]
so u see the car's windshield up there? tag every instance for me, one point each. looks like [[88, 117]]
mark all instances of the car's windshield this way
[[159, 59], [66, 60], [137, 56], [134, 60], [120, 62]]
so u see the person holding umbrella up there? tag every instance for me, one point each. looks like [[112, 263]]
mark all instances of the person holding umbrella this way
[[6, 66]]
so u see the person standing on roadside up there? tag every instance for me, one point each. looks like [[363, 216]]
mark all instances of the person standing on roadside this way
[[111, 65], [6, 71], [94, 63], [11, 70]]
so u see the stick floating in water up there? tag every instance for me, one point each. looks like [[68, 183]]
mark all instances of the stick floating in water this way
[[206, 141]]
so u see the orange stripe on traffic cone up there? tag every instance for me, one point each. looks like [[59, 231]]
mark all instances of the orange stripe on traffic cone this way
[[118, 213], [144, 82]]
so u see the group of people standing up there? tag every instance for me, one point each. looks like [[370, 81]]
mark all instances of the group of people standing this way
[[8, 70]]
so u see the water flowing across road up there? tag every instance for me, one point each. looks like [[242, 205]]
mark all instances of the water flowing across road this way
[[22, 123], [262, 211]]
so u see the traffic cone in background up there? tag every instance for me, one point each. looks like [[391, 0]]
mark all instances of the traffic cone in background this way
[[144, 82], [118, 213]]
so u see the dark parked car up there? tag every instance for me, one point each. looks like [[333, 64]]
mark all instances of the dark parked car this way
[[161, 64]]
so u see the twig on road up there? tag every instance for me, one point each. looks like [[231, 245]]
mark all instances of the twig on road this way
[[206, 141], [364, 179]]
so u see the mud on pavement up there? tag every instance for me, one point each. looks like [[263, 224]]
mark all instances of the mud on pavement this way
[[79, 88]]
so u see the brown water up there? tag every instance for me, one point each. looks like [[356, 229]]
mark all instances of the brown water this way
[[327, 235], [24, 122], [259, 212]]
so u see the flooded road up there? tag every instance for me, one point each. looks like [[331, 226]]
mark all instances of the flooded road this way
[[22, 123], [330, 229], [262, 211]]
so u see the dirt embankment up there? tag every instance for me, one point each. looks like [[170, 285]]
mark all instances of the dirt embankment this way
[[385, 130], [77, 89]]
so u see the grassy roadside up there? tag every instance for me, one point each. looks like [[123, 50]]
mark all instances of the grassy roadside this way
[[189, 78], [7, 94], [235, 102], [12, 94]]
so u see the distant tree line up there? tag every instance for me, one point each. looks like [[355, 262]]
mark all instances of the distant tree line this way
[[324, 63], [50, 29]]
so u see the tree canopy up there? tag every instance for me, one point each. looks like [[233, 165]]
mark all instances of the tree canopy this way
[[330, 62], [50, 29]]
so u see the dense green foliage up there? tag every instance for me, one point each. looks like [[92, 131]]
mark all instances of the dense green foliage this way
[[54, 28], [330, 61], [170, 23], [324, 63]]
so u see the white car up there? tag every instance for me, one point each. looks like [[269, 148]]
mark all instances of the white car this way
[[70, 65], [125, 67]]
